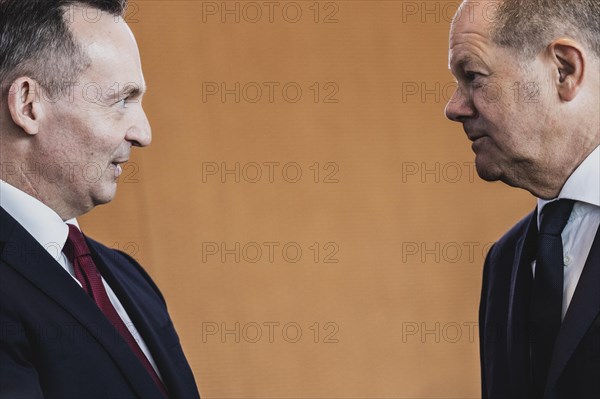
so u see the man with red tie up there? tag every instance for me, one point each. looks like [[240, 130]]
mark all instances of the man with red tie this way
[[528, 97], [77, 319]]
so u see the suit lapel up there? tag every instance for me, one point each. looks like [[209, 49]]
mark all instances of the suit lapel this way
[[518, 308], [583, 310], [24, 254], [153, 325], [145, 316]]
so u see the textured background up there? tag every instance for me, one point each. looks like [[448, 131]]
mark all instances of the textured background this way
[[389, 215]]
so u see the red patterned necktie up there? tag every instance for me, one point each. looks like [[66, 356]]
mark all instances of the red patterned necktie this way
[[88, 275]]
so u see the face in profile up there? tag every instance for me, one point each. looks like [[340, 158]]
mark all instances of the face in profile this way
[[504, 103], [94, 126]]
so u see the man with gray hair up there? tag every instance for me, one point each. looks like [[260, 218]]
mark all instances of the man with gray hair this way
[[528, 97], [77, 319]]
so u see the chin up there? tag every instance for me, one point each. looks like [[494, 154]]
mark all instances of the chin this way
[[487, 170], [106, 194]]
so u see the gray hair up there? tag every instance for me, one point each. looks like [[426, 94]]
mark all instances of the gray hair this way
[[35, 41], [530, 25]]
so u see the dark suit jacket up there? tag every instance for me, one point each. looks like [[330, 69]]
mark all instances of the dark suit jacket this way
[[503, 318], [56, 343]]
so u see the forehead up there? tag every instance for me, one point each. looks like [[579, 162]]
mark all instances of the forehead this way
[[110, 47], [473, 18], [470, 32]]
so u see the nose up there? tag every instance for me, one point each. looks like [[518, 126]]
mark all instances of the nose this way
[[460, 106], [139, 133]]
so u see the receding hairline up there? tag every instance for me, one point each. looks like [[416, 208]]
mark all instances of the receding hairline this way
[[529, 28], [48, 51]]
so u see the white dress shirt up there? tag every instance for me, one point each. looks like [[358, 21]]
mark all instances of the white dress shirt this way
[[51, 232], [578, 235]]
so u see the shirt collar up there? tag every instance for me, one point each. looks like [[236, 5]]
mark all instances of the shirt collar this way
[[48, 229], [583, 185]]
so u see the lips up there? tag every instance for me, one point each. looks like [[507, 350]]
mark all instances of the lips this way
[[117, 165], [472, 134], [475, 138], [120, 160]]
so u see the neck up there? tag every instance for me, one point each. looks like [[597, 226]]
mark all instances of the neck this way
[[26, 182], [547, 182]]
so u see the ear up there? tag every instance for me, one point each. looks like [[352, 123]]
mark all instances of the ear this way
[[24, 104], [569, 60]]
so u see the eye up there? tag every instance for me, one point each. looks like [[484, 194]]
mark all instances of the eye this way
[[470, 76], [123, 103], [473, 77]]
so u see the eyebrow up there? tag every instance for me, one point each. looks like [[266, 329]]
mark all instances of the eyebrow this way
[[464, 61], [132, 90], [129, 90]]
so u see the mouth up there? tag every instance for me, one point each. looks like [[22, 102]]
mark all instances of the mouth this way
[[474, 136], [118, 167], [473, 133], [477, 143]]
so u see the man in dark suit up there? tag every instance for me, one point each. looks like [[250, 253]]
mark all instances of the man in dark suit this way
[[77, 319], [528, 96]]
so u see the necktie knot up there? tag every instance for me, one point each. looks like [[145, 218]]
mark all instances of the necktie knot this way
[[555, 216], [75, 245]]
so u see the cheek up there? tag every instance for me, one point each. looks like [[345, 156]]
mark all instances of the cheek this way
[[96, 127], [504, 125], [100, 141], [494, 114]]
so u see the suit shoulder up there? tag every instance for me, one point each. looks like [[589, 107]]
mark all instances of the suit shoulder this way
[[508, 241], [124, 258], [517, 231]]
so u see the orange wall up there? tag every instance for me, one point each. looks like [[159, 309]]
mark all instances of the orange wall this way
[[387, 304]]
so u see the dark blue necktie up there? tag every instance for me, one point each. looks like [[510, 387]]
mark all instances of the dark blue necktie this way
[[547, 292]]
